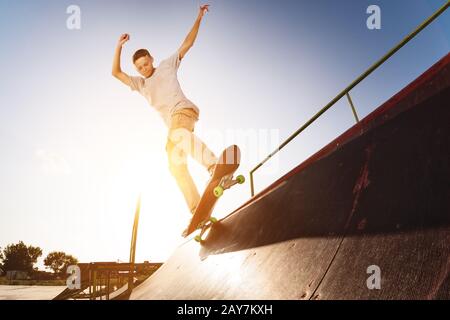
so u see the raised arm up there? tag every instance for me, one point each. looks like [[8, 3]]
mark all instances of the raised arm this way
[[190, 39], [116, 70]]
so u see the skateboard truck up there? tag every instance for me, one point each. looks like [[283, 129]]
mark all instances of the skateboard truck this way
[[204, 226], [226, 183]]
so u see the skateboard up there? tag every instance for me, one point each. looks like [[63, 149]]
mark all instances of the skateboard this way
[[221, 180]]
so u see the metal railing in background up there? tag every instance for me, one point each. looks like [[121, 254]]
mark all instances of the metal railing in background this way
[[346, 91]]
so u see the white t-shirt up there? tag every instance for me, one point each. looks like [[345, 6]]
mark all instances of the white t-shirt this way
[[162, 89]]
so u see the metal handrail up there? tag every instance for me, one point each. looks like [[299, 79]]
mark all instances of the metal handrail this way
[[350, 87]]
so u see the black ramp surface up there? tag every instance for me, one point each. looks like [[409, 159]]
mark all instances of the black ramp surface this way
[[404, 230], [377, 195]]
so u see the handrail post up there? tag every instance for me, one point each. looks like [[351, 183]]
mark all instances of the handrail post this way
[[133, 244], [252, 188], [352, 106]]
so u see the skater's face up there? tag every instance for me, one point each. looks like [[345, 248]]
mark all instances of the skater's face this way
[[144, 65]]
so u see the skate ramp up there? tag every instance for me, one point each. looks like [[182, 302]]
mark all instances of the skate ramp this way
[[376, 196]]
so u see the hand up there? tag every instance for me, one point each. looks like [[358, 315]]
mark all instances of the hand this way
[[203, 9], [123, 38]]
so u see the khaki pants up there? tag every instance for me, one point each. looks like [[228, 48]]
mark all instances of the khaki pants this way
[[181, 142]]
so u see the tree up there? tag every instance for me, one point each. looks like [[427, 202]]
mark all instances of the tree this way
[[20, 257], [59, 261]]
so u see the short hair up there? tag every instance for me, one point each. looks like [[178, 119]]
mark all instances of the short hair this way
[[140, 53]]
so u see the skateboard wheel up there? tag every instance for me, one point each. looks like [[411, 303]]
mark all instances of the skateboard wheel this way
[[213, 220], [240, 179], [218, 191], [198, 238]]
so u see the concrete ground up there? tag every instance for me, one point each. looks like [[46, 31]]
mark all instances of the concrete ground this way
[[29, 292]]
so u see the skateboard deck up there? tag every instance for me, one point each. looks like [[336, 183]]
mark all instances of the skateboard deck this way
[[221, 179]]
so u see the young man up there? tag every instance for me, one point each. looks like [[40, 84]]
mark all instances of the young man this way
[[161, 88]]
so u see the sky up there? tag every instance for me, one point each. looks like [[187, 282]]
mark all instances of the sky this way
[[79, 147]]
